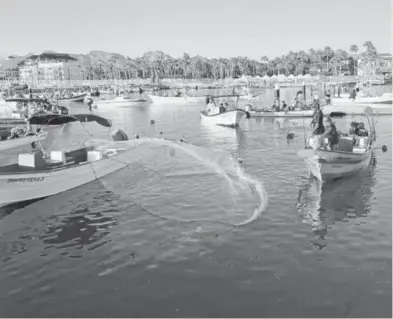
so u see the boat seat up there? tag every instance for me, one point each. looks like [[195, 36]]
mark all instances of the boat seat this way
[[359, 150], [31, 160], [57, 156], [94, 156]]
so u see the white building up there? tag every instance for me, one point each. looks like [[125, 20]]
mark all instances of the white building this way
[[48, 67]]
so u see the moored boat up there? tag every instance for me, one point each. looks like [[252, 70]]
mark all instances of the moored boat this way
[[120, 101], [168, 99], [385, 98], [76, 98], [354, 151], [223, 116], [35, 176]]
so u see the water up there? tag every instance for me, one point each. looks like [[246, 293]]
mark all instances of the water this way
[[311, 253]]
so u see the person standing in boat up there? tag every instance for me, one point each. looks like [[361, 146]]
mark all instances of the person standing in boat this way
[[331, 134], [317, 121]]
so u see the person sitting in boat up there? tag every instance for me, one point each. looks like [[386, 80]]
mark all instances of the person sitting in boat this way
[[331, 134], [284, 106], [222, 108]]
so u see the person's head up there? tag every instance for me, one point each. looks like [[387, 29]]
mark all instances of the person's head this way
[[329, 120], [33, 145]]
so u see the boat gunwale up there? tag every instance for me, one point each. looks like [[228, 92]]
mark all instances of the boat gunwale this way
[[61, 167], [237, 110]]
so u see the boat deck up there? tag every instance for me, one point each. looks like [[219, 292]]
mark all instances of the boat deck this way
[[73, 158]]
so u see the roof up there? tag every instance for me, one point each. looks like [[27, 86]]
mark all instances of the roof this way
[[49, 56]]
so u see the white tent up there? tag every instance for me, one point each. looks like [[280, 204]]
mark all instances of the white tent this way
[[243, 79], [266, 77], [291, 76]]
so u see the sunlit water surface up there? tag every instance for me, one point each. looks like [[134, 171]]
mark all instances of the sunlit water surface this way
[[313, 252]]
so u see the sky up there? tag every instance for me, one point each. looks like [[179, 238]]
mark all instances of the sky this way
[[211, 28]]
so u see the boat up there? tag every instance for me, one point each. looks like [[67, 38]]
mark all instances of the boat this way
[[228, 117], [20, 141], [354, 151], [385, 98], [10, 122], [120, 101], [76, 98], [34, 176], [168, 99]]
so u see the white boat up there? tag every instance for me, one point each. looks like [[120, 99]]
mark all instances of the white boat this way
[[385, 98], [226, 117], [120, 101], [167, 99], [194, 99], [75, 98], [34, 177], [22, 141], [258, 113], [348, 159]]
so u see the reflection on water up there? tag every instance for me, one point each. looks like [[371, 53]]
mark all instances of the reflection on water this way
[[321, 205]]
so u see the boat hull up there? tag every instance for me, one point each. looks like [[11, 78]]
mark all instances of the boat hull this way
[[167, 100], [307, 113], [229, 118], [21, 141], [329, 165], [22, 187], [119, 103], [78, 98], [385, 98]]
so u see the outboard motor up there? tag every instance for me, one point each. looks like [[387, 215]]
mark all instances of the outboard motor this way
[[119, 135], [64, 110]]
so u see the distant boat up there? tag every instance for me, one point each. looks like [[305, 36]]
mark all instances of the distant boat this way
[[77, 98], [227, 117], [168, 99], [385, 98], [119, 102]]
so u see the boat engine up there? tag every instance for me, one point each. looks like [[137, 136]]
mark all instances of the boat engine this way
[[119, 135], [358, 128]]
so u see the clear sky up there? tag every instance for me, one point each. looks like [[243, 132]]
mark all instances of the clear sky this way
[[212, 28]]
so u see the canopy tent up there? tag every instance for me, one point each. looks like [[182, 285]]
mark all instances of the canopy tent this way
[[243, 79]]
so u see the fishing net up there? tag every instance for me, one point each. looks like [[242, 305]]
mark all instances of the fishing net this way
[[181, 182]]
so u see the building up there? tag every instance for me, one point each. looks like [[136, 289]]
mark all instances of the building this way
[[9, 70], [49, 67]]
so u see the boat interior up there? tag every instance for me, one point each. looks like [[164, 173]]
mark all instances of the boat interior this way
[[34, 162]]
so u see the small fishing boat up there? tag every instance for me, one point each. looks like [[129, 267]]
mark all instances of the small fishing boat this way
[[168, 99], [300, 113], [76, 98], [120, 101], [35, 176], [385, 98], [7, 144], [229, 116], [354, 151], [9, 122]]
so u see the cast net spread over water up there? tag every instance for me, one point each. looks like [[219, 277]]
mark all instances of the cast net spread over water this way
[[182, 182]]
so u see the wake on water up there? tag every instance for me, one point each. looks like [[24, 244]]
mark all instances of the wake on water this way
[[181, 182]]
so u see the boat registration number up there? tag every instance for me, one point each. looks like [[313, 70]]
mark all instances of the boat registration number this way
[[23, 180]]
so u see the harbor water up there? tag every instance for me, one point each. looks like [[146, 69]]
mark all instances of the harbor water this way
[[313, 251]]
